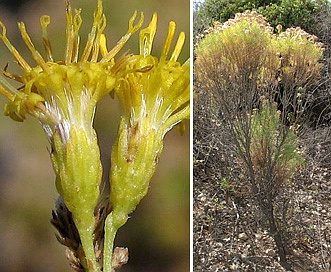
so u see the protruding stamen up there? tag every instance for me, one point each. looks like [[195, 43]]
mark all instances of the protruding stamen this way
[[44, 22], [168, 42], [13, 50], [70, 34], [178, 47], [89, 44], [96, 45], [91, 41], [103, 45], [132, 29], [76, 26], [100, 20], [36, 55], [146, 37]]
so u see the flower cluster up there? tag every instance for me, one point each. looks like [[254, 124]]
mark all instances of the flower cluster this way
[[248, 16], [63, 95], [298, 34]]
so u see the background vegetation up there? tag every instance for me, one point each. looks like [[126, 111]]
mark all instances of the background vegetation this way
[[158, 233], [288, 13]]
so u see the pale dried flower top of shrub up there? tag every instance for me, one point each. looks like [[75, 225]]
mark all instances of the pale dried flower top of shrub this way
[[248, 16], [297, 33]]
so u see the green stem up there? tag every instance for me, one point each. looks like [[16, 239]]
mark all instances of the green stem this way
[[114, 221], [86, 237], [110, 233]]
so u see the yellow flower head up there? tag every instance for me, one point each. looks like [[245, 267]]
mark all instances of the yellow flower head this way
[[155, 96], [156, 93], [65, 92]]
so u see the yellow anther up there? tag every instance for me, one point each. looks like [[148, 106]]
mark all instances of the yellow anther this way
[[146, 37], [36, 55], [13, 50], [178, 47], [44, 22], [132, 29], [168, 42]]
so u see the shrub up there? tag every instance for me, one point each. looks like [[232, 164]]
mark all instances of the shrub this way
[[260, 81]]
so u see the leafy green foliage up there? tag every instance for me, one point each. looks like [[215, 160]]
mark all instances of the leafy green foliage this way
[[222, 10], [288, 13], [291, 13], [273, 146]]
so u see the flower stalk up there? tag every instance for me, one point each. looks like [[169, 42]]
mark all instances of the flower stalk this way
[[63, 95]]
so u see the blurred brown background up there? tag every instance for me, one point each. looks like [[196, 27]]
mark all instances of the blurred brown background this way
[[158, 232]]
